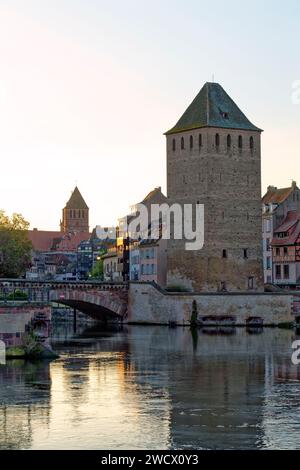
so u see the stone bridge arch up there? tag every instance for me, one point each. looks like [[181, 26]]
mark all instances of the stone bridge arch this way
[[100, 304]]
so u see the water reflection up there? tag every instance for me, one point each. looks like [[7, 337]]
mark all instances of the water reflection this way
[[154, 387]]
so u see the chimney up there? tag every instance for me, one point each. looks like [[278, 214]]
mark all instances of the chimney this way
[[294, 184], [272, 188]]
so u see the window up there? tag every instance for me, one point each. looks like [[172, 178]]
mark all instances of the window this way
[[217, 140], [286, 271], [285, 250], [191, 142], [182, 143], [224, 254], [240, 142], [229, 141], [173, 145], [267, 225], [250, 282], [277, 251], [278, 271], [223, 286], [245, 253], [200, 140], [251, 143], [268, 244], [268, 262]]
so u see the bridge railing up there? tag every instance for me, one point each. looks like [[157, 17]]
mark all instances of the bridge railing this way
[[39, 291]]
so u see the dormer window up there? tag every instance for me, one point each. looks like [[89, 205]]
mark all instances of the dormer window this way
[[224, 114]]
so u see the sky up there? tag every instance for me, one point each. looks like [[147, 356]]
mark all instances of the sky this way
[[88, 87]]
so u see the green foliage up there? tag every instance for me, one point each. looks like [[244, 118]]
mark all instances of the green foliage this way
[[17, 295], [31, 344], [97, 271], [15, 246]]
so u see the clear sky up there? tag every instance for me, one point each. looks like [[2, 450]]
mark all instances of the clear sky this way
[[87, 88]]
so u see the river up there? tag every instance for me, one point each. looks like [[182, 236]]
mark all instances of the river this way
[[154, 387]]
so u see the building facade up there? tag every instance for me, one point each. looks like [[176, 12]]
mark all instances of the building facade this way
[[276, 204], [153, 261], [110, 266], [75, 214], [214, 158], [286, 252]]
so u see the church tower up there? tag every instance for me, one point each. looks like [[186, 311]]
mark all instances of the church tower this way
[[214, 158], [75, 215]]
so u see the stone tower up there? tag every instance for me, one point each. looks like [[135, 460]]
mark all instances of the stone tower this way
[[75, 215], [214, 158]]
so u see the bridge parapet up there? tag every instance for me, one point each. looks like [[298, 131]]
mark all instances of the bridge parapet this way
[[96, 299]]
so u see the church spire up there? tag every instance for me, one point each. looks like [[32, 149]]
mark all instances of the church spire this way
[[75, 214]]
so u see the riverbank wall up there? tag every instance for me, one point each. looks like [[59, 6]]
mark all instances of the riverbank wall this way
[[16, 318], [150, 304]]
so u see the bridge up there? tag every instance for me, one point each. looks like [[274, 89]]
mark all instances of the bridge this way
[[100, 300]]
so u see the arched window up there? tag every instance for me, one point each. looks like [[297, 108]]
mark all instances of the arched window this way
[[182, 143], [191, 142], [251, 143], [240, 142], [229, 141], [173, 145], [217, 140], [71, 212]]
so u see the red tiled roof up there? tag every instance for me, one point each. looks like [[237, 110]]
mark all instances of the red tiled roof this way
[[291, 224], [43, 240], [70, 242], [277, 196]]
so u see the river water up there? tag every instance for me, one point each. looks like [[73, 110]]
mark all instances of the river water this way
[[154, 388]]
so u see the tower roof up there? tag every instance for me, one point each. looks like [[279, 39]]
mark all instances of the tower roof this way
[[213, 107], [76, 201]]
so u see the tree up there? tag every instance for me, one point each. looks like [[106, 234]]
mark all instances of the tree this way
[[15, 246], [97, 271]]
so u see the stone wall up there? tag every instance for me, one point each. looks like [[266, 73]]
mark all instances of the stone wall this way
[[149, 304], [14, 319]]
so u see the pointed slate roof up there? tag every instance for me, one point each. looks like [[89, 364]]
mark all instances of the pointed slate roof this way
[[213, 107], [76, 201]]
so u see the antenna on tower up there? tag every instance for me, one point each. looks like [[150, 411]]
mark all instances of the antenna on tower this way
[[213, 78]]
